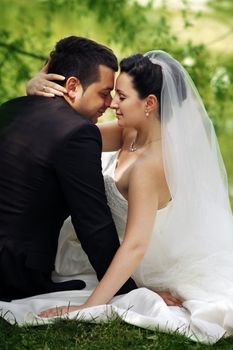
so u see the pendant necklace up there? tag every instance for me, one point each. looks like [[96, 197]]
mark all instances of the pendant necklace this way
[[133, 147]]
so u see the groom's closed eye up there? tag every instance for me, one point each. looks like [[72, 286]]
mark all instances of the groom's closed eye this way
[[106, 93]]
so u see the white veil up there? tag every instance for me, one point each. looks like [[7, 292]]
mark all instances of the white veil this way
[[200, 225]]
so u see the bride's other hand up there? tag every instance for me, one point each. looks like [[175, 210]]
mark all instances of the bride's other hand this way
[[169, 299], [59, 311], [42, 84]]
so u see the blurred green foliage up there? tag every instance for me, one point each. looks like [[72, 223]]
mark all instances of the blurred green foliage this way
[[29, 30]]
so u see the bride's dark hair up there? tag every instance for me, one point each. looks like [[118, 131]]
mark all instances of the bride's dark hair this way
[[147, 77]]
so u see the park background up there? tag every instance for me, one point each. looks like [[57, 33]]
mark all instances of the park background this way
[[199, 33]]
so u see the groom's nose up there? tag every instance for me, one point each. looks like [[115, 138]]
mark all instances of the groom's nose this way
[[108, 101]]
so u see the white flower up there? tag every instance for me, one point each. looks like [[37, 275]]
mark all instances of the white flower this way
[[188, 61], [221, 76]]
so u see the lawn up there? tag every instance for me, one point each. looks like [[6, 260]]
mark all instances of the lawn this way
[[114, 335]]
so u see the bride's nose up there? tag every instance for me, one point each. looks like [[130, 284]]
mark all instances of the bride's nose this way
[[114, 104]]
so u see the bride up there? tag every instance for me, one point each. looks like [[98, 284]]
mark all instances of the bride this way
[[167, 189]]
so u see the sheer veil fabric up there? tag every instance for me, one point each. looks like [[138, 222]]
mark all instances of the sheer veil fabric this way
[[199, 227]]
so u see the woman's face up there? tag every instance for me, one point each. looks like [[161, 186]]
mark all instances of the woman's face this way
[[129, 107]]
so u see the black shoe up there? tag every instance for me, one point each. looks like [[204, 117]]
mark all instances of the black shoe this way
[[67, 285]]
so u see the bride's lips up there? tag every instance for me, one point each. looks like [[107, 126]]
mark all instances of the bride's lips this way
[[118, 115]]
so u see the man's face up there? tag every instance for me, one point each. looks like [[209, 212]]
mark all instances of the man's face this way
[[97, 96]]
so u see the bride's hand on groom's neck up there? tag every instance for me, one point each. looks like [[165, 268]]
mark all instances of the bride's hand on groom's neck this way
[[42, 84]]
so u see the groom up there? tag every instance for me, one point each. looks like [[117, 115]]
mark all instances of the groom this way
[[50, 168]]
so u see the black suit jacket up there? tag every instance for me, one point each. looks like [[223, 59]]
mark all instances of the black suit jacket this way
[[50, 168]]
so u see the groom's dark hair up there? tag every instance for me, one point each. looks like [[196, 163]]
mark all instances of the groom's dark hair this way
[[80, 57]]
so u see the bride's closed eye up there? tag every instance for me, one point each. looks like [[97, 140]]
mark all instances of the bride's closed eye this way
[[122, 98]]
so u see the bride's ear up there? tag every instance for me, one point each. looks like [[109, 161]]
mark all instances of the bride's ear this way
[[152, 103], [74, 88]]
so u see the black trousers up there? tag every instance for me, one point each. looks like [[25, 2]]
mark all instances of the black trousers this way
[[19, 281]]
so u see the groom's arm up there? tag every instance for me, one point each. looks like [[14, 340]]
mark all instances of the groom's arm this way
[[79, 171]]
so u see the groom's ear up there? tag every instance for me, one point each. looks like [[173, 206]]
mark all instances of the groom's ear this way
[[74, 88]]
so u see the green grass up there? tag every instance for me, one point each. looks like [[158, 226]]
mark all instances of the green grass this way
[[114, 335]]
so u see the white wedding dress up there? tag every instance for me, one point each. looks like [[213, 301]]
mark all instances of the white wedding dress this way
[[206, 287]]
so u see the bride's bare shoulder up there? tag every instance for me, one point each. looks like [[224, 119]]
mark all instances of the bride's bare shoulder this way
[[150, 163]]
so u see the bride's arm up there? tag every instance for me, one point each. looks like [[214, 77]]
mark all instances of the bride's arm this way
[[112, 136]]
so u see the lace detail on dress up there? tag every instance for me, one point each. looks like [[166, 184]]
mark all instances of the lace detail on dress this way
[[117, 204]]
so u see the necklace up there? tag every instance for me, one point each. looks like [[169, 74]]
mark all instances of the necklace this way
[[133, 147]]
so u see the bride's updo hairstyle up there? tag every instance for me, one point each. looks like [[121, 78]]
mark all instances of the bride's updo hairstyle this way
[[147, 77]]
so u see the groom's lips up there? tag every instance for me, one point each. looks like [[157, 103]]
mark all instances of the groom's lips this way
[[100, 113]]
